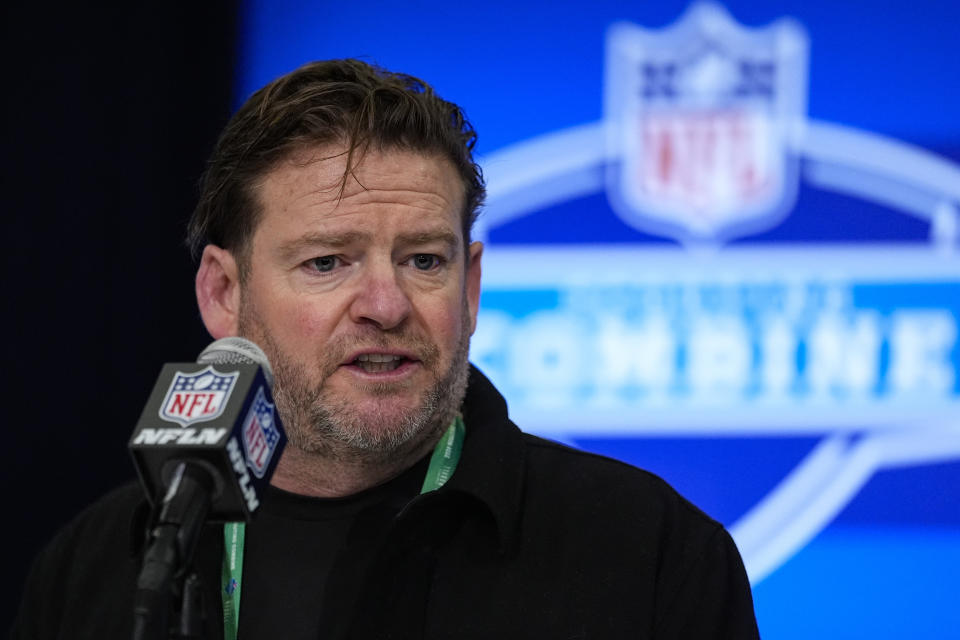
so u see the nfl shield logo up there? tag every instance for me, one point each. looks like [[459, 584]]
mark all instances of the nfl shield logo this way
[[260, 434], [197, 397], [700, 117]]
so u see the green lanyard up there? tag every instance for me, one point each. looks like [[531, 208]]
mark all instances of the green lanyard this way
[[443, 463]]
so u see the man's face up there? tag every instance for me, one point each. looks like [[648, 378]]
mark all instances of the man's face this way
[[363, 300]]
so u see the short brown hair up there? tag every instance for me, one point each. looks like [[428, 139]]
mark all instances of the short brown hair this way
[[334, 101]]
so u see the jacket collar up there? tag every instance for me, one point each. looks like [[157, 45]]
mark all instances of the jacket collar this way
[[491, 467]]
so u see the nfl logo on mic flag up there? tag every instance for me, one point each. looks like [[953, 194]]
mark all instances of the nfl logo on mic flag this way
[[197, 397], [260, 434]]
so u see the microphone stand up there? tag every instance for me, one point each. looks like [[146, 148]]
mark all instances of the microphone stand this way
[[170, 548]]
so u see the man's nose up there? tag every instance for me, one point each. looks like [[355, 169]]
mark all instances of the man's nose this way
[[380, 299]]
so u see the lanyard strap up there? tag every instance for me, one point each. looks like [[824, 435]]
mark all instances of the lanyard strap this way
[[231, 573], [445, 456], [443, 462]]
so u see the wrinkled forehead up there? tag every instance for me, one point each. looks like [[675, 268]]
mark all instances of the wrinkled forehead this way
[[314, 186]]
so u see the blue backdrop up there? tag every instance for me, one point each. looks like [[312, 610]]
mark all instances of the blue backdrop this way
[[722, 244]]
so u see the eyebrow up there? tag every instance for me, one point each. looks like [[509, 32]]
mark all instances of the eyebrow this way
[[294, 248], [426, 237]]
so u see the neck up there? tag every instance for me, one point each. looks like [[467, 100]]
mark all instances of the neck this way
[[323, 476]]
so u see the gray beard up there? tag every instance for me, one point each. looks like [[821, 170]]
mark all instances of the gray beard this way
[[317, 422]]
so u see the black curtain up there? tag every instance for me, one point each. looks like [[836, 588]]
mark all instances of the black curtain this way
[[109, 115]]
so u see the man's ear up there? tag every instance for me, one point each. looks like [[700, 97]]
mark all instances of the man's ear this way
[[218, 292], [473, 282]]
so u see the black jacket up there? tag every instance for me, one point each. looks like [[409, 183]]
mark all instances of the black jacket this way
[[528, 539]]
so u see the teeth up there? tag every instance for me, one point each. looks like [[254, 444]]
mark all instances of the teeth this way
[[378, 362], [378, 357]]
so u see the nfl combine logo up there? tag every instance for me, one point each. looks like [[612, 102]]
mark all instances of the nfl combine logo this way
[[260, 434], [197, 397], [700, 118], [850, 351]]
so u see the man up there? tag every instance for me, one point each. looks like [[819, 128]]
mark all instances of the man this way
[[334, 230]]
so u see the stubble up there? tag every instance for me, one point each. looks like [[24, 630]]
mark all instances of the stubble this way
[[319, 422]]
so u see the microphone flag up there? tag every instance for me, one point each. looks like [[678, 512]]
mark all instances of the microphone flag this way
[[221, 416]]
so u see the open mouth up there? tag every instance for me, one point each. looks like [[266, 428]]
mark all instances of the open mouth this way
[[379, 362]]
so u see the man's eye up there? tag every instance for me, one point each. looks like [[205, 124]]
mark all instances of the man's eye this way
[[425, 261], [325, 263]]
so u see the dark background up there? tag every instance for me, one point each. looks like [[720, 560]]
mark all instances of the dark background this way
[[109, 115]]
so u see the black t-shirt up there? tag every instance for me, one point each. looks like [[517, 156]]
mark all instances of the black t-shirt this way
[[304, 557]]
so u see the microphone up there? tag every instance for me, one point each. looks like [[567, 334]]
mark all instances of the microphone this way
[[205, 446], [217, 414]]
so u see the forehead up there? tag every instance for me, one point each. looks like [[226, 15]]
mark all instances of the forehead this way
[[309, 189]]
